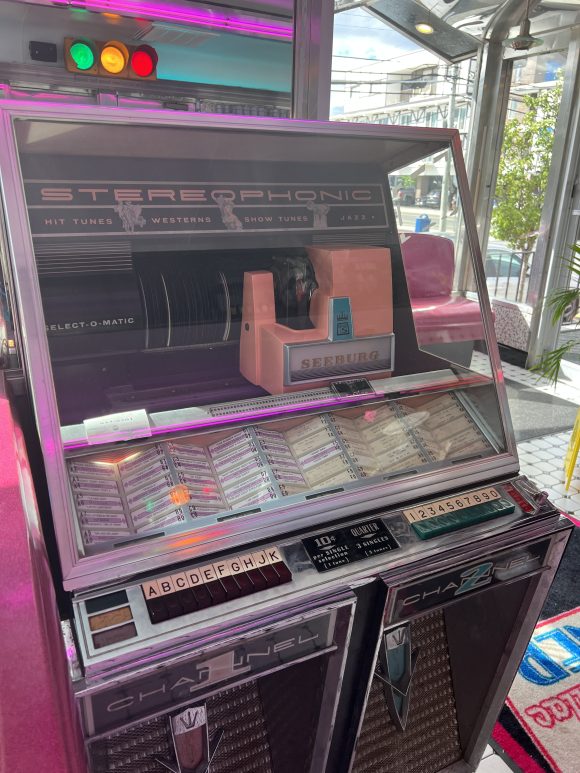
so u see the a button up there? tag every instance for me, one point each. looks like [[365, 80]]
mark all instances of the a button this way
[[187, 601], [174, 608], [245, 584], [519, 498], [157, 610], [258, 579], [282, 571], [271, 575], [217, 591], [202, 597], [232, 588], [470, 516]]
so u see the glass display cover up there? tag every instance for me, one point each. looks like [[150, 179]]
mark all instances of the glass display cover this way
[[256, 312]]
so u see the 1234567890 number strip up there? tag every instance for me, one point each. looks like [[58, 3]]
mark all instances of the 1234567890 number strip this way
[[451, 504]]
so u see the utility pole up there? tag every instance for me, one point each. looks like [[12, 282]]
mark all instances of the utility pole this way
[[444, 205]]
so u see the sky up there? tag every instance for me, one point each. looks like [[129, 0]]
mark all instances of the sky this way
[[359, 36]]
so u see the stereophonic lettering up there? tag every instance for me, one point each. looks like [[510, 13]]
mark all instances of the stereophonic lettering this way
[[80, 195]]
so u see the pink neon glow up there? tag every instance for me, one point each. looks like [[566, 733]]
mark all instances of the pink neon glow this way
[[249, 415], [331, 402], [198, 17]]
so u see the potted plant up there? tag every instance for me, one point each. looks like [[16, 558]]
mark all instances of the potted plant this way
[[564, 304]]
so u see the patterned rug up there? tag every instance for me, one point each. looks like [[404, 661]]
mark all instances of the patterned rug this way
[[539, 728]]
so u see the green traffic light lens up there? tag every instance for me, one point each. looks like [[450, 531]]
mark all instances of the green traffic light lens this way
[[82, 55]]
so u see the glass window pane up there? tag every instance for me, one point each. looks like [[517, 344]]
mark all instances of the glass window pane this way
[[534, 102]]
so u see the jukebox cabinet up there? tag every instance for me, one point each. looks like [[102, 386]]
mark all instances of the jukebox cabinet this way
[[289, 531]]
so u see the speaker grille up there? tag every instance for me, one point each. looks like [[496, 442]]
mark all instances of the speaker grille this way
[[243, 747], [431, 740]]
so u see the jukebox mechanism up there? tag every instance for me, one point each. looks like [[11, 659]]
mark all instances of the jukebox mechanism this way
[[345, 313]]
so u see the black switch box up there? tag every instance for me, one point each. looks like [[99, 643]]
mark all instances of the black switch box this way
[[42, 52]]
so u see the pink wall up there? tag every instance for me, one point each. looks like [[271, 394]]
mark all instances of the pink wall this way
[[38, 724]]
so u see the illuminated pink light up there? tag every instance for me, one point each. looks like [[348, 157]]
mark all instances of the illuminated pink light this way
[[198, 17], [248, 415], [273, 412]]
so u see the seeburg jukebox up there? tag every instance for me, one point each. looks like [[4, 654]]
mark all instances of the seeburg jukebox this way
[[271, 449]]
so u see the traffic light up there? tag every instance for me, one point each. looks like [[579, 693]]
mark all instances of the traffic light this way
[[111, 59]]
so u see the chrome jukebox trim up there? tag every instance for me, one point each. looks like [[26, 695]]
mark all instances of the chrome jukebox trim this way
[[89, 571]]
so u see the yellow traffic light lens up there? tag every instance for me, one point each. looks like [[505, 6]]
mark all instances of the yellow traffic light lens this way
[[114, 57]]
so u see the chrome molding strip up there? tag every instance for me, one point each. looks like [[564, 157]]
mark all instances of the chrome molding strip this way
[[483, 297]]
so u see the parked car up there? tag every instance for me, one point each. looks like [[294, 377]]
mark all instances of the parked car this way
[[504, 272], [408, 197], [502, 262], [431, 199]]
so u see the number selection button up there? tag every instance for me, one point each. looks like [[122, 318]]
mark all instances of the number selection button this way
[[433, 527]]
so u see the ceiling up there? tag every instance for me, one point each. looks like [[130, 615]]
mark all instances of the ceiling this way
[[551, 20]]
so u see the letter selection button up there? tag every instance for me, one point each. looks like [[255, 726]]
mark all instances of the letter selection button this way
[[203, 597], [271, 575], [187, 601], [282, 571], [169, 597], [244, 583], [174, 608], [217, 591], [232, 588], [157, 610], [257, 578]]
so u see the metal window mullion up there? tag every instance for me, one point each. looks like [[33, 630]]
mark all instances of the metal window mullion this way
[[548, 271]]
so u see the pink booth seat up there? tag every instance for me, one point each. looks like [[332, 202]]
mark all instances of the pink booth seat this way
[[39, 729], [439, 316]]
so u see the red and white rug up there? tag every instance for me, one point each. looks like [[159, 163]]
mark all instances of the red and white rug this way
[[545, 700]]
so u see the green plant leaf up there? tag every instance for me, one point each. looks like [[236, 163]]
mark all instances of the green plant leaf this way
[[550, 364], [573, 264], [523, 175], [559, 300]]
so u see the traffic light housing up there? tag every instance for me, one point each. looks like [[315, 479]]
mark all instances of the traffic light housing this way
[[111, 59]]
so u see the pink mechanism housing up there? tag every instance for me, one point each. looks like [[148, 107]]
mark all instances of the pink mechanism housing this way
[[362, 274], [439, 316]]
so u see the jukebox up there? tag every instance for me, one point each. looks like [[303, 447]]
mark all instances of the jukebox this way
[[287, 529]]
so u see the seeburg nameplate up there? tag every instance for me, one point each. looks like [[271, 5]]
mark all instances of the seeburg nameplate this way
[[352, 543], [335, 359]]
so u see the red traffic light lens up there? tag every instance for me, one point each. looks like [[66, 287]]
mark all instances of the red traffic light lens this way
[[144, 61]]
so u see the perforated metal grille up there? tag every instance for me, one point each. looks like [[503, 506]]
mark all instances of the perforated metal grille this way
[[133, 750], [431, 740], [243, 747]]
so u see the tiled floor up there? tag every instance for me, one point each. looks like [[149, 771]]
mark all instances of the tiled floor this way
[[542, 459], [567, 388], [492, 763]]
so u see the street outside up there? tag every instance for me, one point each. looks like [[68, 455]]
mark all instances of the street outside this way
[[409, 214]]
